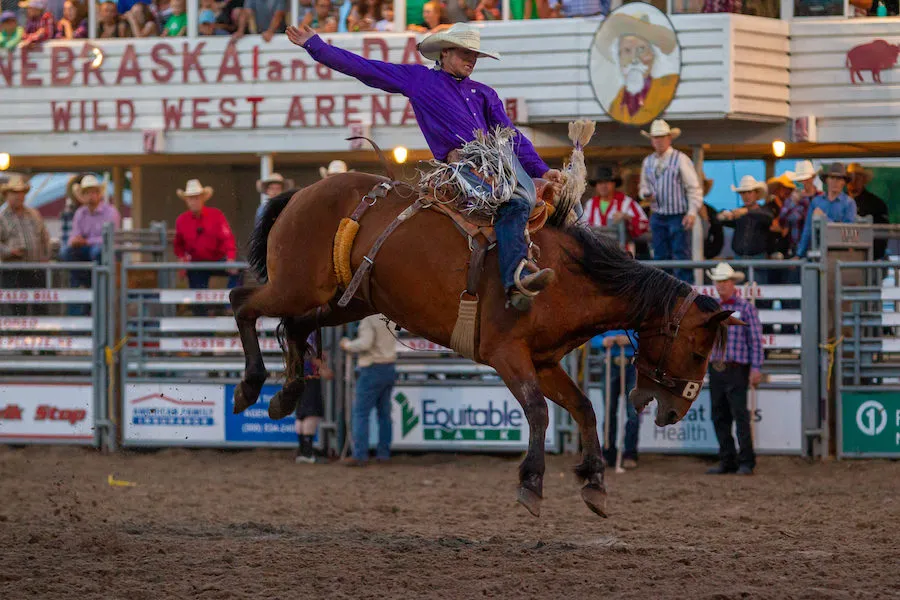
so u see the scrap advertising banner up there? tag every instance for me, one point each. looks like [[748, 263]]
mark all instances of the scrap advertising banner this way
[[775, 419], [174, 414], [470, 418], [253, 426], [47, 413]]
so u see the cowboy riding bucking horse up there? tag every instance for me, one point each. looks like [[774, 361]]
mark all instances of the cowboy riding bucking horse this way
[[450, 109]]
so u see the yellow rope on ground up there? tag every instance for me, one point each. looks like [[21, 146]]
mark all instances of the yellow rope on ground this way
[[831, 348], [343, 244]]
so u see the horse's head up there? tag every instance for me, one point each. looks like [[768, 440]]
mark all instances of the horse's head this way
[[673, 355]]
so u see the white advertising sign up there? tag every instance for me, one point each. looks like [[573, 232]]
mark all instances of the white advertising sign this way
[[47, 413], [775, 420], [48, 296], [456, 417], [173, 413]]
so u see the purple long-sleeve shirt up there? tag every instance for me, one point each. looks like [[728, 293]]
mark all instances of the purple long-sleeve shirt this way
[[447, 109], [89, 225]]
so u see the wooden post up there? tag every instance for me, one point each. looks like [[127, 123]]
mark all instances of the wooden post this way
[[697, 231], [118, 181], [137, 189]]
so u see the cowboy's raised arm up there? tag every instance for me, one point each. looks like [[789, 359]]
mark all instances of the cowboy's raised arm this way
[[395, 79], [528, 156]]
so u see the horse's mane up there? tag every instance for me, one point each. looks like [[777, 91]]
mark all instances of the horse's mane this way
[[651, 292]]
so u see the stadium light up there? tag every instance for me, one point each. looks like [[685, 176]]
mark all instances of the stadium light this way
[[778, 148], [4, 161], [400, 154]]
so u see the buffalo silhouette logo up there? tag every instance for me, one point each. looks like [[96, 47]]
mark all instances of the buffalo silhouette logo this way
[[875, 56]]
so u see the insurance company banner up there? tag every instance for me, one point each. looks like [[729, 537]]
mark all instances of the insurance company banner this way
[[174, 414]]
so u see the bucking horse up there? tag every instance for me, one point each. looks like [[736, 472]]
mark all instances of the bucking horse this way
[[416, 280]]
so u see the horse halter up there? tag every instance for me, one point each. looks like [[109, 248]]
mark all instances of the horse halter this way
[[685, 388]]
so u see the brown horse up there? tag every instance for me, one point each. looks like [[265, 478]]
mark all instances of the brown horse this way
[[417, 280]]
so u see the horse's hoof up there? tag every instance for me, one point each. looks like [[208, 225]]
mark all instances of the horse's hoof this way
[[281, 405], [595, 497], [245, 395], [530, 500]]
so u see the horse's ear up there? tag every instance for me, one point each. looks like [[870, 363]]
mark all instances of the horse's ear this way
[[723, 316]]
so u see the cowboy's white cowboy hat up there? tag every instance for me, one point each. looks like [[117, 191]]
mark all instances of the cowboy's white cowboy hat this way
[[88, 182], [660, 128], [748, 184], [193, 189], [16, 183], [620, 24], [273, 178], [335, 167], [459, 35], [724, 272], [803, 170]]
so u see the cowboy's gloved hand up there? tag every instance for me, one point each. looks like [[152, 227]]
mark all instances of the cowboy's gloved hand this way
[[300, 35]]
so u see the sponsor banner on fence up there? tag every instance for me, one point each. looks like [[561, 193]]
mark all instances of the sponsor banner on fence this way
[[174, 413], [254, 424], [464, 417], [23, 296], [775, 418], [47, 413], [870, 424]]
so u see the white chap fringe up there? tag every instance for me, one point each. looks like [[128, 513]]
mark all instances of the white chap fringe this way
[[490, 156], [463, 338], [575, 173]]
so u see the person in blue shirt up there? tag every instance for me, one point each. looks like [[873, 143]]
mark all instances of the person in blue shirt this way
[[617, 341], [835, 204]]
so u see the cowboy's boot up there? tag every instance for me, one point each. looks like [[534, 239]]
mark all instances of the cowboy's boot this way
[[528, 286]]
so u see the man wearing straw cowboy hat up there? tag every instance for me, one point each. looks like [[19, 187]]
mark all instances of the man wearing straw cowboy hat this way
[[202, 234], [271, 186], [631, 43], [450, 108], [669, 181], [867, 203], [731, 374], [751, 222], [834, 204], [23, 239], [335, 167], [86, 241]]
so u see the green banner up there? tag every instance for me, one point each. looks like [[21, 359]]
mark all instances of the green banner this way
[[870, 424]]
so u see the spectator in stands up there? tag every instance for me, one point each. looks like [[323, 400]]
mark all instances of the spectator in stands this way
[[322, 19], [335, 167], [580, 8], [867, 203], [377, 351], [730, 375], [835, 205], [176, 24], [68, 213], [670, 183], [202, 234], [796, 207], [608, 207], [109, 24], [713, 232], [487, 10], [751, 222], [40, 25], [621, 350], [311, 407], [461, 11], [780, 190], [722, 6], [206, 22], [361, 16], [228, 18], [74, 24], [162, 10], [23, 239], [141, 21], [525, 9], [386, 23], [269, 16], [271, 186], [10, 32], [434, 18]]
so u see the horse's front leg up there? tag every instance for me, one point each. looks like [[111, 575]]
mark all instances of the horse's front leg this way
[[559, 387], [519, 375]]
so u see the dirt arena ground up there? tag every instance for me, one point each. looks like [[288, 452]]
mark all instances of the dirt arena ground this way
[[206, 524]]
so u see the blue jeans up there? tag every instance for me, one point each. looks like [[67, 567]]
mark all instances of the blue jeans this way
[[199, 280], [512, 218], [671, 241], [80, 278], [632, 421], [373, 390]]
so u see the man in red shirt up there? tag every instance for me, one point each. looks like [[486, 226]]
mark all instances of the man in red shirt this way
[[608, 207], [202, 234]]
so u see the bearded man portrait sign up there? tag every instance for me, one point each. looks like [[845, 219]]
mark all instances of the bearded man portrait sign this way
[[635, 63]]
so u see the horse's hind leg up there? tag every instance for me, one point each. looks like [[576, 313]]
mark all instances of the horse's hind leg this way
[[245, 314], [559, 387], [518, 373]]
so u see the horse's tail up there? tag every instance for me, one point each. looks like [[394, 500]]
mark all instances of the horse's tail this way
[[259, 239], [381, 157]]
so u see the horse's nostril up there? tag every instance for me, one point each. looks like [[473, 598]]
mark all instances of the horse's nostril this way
[[673, 417]]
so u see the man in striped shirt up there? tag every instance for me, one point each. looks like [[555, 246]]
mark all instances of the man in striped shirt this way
[[670, 183], [732, 373]]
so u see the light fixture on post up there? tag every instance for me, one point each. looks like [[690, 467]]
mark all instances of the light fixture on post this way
[[778, 148], [400, 154], [4, 161]]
